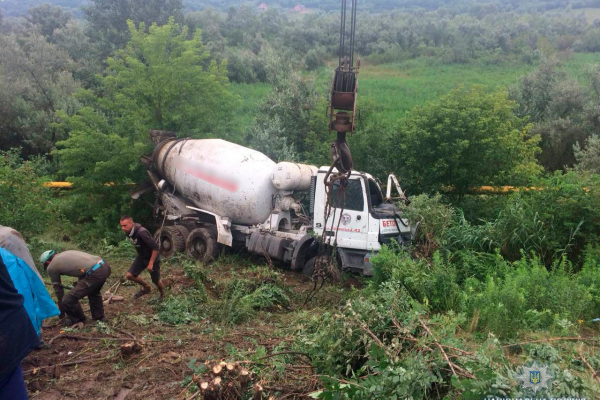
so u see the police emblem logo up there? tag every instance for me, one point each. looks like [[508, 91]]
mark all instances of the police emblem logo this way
[[535, 377]]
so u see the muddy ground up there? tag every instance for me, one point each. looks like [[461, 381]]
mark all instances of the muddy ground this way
[[91, 365]]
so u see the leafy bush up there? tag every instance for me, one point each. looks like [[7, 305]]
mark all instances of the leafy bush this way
[[556, 217], [25, 204], [433, 217], [315, 58], [588, 158], [381, 344], [466, 138], [265, 297], [529, 297], [496, 295], [123, 250], [432, 284], [194, 270], [240, 298], [243, 66], [184, 308]]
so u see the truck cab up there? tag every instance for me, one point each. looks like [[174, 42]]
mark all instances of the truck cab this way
[[359, 219]]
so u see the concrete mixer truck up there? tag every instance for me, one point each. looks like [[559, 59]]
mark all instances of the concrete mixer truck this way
[[213, 193]]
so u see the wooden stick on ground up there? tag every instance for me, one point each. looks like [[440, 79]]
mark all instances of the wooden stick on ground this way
[[62, 335], [556, 339], [587, 364], [107, 301], [439, 346], [66, 364]]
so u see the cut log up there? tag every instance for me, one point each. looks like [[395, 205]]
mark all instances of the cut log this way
[[130, 348], [230, 367], [56, 372], [258, 392], [113, 299], [244, 379], [214, 391], [217, 369]]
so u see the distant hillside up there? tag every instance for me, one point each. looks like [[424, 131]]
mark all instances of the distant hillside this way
[[20, 7]]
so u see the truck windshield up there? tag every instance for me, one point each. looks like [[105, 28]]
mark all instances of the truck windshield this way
[[375, 192], [353, 198]]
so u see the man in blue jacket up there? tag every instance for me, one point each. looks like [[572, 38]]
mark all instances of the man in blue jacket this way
[[18, 337]]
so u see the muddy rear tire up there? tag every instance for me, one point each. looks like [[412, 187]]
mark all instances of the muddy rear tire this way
[[201, 244], [309, 267], [172, 240]]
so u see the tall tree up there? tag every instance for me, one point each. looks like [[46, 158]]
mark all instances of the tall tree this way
[[108, 18], [161, 80], [35, 82], [48, 18], [557, 106], [168, 82], [467, 138], [73, 39]]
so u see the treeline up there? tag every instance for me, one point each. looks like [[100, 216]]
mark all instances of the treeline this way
[[21, 7], [453, 38]]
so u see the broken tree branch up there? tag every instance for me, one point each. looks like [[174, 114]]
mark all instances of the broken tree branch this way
[[107, 338], [286, 352], [556, 339], [439, 346], [587, 364]]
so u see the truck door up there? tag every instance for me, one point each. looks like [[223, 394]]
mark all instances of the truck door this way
[[349, 214]]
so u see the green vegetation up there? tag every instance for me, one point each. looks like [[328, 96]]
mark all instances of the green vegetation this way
[[452, 96], [467, 139], [393, 340], [228, 301]]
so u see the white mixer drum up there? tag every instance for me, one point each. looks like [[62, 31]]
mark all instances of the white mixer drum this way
[[218, 176]]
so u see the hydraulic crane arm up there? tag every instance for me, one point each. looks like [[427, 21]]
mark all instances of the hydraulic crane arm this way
[[342, 106]]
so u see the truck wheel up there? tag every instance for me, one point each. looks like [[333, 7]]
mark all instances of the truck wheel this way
[[202, 245], [309, 267], [332, 274], [183, 232], [171, 240]]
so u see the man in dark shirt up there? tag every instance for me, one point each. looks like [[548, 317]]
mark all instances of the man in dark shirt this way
[[147, 256], [17, 338]]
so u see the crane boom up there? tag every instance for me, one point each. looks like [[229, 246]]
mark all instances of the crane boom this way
[[344, 90]]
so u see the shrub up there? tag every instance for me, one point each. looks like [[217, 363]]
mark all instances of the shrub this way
[[432, 217], [528, 297], [555, 218], [432, 284], [241, 298], [315, 58], [588, 158], [466, 138], [184, 308], [25, 204]]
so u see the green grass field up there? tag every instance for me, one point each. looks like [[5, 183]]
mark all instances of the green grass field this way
[[397, 88], [393, 89], [590, 14], [251, 95]]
